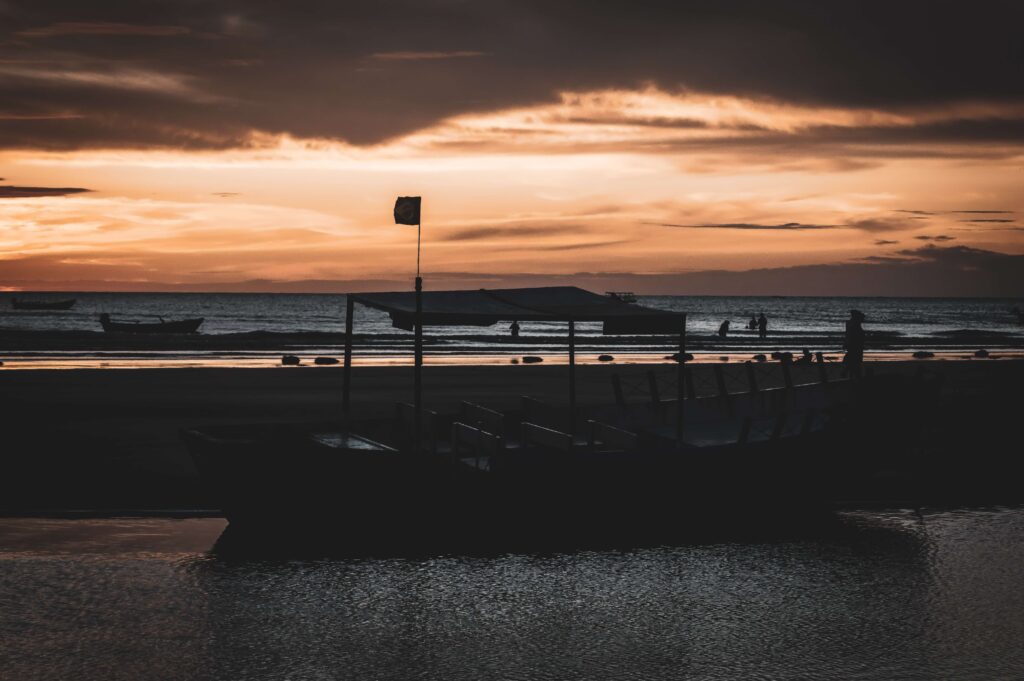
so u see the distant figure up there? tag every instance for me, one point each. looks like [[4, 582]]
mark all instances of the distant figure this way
[[805, 358], [514, 329], [854, 358], [723, 330], [752, 324], [762, 326]]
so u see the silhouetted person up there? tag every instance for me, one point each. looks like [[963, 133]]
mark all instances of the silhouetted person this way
[[723, 330], [752, 324], [762, 326], [854, 358], [805, 358], [514, 329]]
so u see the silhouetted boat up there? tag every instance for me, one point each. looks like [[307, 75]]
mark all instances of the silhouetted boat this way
[[181, 326], [43, 304], [544, 472]]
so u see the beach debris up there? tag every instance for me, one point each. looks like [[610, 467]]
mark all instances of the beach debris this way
[[760, 358], [532, 359], [724, 358], [687, 357], [290, 361], [604, 358], [983, 353], [325, 360], [923, 354], [515, 360]]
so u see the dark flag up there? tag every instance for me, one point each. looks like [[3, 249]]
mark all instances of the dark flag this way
[[407, 210]]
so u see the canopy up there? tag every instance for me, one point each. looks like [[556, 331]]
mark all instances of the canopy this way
[[485, 307]]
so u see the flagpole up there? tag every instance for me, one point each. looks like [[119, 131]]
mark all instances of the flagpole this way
[[418, 348]]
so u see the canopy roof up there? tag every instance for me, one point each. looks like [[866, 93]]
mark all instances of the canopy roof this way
[[485, 307]]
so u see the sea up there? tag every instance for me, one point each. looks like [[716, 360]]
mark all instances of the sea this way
[[914, 594], [251, 329]]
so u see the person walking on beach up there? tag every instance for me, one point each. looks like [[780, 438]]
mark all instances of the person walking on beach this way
[[723, 330], [762, 326], [514, 329], [854, 344]]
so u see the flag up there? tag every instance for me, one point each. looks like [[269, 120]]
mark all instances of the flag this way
[[407, 210]]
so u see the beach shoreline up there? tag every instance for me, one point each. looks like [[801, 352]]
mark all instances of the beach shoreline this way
[[106, 439]]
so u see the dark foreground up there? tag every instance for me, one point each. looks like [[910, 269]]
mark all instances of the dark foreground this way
[[873, 596]]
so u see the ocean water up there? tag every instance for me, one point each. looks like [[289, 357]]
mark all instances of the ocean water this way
[[900, 595], [300, 320]]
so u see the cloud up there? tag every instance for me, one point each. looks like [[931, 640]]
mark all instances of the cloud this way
[[879, 224], [426, 56], [509, 231], [940, 237], [11, 192], [855, 57], [797, 226], [885, 242], [104, 28], [998, 220]]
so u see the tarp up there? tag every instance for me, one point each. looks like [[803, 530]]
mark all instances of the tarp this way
[[485, 307]]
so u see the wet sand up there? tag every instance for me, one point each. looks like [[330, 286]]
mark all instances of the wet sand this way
[[108, 439]]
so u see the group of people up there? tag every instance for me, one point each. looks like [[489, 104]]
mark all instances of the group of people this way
[[760, 324], [854, 338]]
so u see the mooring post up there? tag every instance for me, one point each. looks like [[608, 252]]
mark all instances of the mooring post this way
[[572, 377], [346, 372], [680, 379]]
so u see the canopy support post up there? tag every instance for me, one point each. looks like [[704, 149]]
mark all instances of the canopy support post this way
[[346, 372], [572, 377], [418, 362], [680, 378]]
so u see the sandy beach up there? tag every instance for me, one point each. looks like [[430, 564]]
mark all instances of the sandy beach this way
[[108, 439]]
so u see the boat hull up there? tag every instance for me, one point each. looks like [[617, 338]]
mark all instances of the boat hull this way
[[183, 326]]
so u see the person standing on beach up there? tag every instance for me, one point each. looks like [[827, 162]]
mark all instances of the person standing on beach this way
[[762, 326], [752, 325], [723, 330], [854, 344], [514, 329]]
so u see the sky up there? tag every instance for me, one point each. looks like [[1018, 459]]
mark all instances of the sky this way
[[784, 148]]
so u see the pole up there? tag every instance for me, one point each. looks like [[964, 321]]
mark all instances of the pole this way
[[572, 377], [680, 379], [346, 372], [418, 350]]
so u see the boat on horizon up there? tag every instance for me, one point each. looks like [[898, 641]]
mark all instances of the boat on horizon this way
[[18, 304], [180, 326]]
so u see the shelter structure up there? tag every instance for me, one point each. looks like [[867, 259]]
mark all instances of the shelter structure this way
[[486, 307]]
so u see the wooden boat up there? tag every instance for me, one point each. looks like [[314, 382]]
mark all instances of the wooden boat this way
[[43, 304], [617, 472], [181, 326]]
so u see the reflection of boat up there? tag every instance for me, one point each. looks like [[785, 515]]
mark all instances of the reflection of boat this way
[[182, 326], [42, 304]]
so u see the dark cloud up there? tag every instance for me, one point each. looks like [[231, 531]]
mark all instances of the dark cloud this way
[[885, 242], [746, 225], [939, 237], [510, 231], [366, 71], [10, 192], [879, 224], [998, 220], [984, 211]]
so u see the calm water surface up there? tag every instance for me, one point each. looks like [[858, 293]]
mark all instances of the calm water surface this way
[[878, 596]]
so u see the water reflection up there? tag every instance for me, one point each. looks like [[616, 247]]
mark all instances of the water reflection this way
[[869, 596]]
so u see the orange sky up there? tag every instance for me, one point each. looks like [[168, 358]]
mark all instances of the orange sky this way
[[624, 180]]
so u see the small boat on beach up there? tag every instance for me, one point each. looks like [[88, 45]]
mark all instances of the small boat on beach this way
[[18, 304], [180, 326]]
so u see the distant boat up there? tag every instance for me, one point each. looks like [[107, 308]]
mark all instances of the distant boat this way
[[181, 326], [624, 296], [43, 304]]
